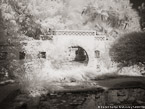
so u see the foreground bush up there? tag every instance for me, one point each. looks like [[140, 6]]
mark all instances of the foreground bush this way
[[129, 50]]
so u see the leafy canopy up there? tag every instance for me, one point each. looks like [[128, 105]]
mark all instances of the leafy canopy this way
[[34, 17], [129, 49]]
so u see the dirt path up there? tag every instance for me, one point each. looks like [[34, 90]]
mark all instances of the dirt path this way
[[123, 82]]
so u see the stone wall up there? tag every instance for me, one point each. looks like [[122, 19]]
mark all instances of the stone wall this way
[[93, 100]]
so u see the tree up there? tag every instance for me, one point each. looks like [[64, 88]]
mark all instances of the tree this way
[[9, 36], [142, 14], [129, 49], [101, 15], [112, 16]]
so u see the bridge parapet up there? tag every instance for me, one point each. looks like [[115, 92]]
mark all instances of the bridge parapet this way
[[74, 32], [51, 34], [100, 38]]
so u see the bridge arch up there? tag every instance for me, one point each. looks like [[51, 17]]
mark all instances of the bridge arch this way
[[79, 54], [81, 40]]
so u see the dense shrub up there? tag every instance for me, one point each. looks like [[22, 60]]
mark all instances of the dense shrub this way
[[129, 49]]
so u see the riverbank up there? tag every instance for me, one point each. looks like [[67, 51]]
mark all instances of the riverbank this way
[[119, 91]]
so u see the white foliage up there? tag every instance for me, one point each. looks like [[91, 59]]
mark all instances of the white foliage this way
[[131, 71], [68, 14]]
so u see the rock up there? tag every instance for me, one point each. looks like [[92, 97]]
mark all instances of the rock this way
[[92, 100], [122, 95], [45, 105], [33, 103], [21, 105]]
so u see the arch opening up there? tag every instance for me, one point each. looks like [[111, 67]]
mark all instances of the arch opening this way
[[78, 54]]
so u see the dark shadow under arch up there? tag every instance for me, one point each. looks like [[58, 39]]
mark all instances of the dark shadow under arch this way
[[81, 55]]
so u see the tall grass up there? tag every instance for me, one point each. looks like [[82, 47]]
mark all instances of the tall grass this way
[[41, 76]]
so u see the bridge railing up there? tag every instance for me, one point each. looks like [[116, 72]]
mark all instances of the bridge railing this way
[[74, 32]]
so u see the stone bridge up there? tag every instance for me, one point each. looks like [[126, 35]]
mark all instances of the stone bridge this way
[[92, 43]]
